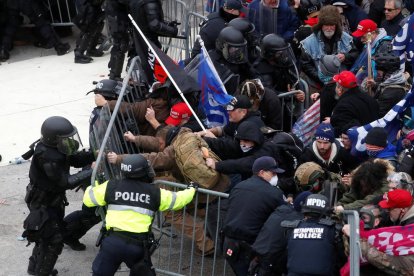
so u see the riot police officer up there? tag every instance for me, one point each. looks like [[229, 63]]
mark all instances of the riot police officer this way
[[230, 58], [148, 15], [34, 9], [49, 179], [90, 20], [315, 231], [132, 203], [276, 64], [247, 28]]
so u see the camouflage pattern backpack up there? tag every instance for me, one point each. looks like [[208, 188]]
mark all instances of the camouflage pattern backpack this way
[[191, 152]]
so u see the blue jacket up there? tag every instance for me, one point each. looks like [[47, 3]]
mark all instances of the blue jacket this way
[[287, 21]]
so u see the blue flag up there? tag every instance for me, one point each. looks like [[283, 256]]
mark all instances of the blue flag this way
[[403, 42], [391, 122], [214, 96]]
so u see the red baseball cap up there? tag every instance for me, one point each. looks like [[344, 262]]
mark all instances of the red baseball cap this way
[[396, 199], [178, 112], [346, 79], [365, 26]]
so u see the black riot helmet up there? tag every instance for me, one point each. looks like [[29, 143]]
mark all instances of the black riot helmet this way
[[232, 45], [245, 27], [387, 61], [60, 133], [275, 50], [109, 89], [316, 204], [137, 167]]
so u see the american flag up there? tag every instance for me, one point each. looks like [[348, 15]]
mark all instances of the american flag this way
[[306, 125]]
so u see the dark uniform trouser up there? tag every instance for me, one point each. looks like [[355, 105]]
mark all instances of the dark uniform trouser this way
[[114, 251], [240, 255], [79, 222]]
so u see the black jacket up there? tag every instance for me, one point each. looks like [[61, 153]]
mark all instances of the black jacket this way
[[340, 162], [392, 27], [250, 204], [210, 30], [354, 107], [388, 95], [271, 110], [271, 243]]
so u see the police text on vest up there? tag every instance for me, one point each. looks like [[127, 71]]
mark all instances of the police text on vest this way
[[130, 196], [308, 233]]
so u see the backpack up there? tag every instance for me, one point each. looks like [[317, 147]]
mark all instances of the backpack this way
[[190, 160]]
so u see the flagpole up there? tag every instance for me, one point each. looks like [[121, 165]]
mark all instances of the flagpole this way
[[168, 73]]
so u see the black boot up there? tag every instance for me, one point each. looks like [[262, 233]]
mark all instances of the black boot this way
[[62, 48], [95, 52], [76, 245], [4, 54], [82, 59]]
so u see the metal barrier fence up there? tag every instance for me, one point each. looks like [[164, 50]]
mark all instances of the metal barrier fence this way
[[183, 236]]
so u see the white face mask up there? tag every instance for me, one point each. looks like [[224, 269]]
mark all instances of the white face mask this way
[[328, 34], [245, 148], [273, 180]]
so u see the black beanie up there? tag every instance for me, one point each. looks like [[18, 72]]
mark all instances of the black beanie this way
[[377, 136]]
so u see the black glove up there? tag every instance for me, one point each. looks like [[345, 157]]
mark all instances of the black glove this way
[[193, 185], [173, 23]]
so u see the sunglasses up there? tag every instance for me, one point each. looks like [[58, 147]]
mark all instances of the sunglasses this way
[[389, 10]]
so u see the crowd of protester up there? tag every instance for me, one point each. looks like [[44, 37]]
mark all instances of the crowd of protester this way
[[284, 214]]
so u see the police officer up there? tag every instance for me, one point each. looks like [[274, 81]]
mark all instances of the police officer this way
[[315, 231], [34, 9], [247, 28], [215, 22], [148, 15], [49, 179], [131, 205], [250, 204], [230, 58], [79, 222], [90, 20]]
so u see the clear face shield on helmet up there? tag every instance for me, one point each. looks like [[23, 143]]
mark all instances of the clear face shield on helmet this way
[[281, 57], [236, 54], [69, 144]]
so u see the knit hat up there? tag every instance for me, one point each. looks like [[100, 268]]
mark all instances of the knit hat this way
[[396, 199], [329, 65], [325, 132], [377, 136]]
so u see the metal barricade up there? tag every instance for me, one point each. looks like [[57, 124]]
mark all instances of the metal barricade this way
[[180, 231], [290, 108], [61, 12], [354, 243], [192, 29], [178, 254]]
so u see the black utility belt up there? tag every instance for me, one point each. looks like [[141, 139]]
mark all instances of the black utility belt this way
[[136, 238]]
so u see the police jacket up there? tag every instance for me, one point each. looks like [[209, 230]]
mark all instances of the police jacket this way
[[271, 242], [340, 160], [150, 18], [132, 204], [311, 247], [210, 30], [250, 204], [49, 174]]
